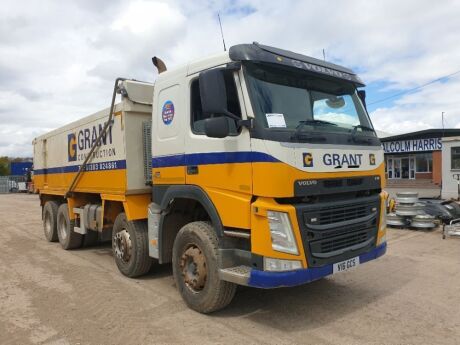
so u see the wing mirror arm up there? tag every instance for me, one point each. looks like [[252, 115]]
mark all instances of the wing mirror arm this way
[[249, 123], [241, 123]]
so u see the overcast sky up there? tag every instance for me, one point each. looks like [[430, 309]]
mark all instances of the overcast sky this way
[[58, 59]]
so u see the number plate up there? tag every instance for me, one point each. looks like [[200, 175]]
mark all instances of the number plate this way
[[345, 265]]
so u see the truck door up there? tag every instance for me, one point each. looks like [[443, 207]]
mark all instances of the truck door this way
[[167, 133], [220, 166]]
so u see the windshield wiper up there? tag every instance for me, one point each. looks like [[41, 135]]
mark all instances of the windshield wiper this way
[[315, 122], [307, 138], [363, 128], [298, 130]]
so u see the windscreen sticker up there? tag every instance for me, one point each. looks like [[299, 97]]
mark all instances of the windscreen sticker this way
[[168, 112], [275, 120]]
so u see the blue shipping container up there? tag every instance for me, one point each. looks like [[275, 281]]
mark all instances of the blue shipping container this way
[[20, 168]]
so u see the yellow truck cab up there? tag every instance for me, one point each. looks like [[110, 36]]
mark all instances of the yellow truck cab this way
[[257, 167]]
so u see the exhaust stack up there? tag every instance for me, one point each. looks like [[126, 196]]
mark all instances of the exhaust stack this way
[[159, 64]]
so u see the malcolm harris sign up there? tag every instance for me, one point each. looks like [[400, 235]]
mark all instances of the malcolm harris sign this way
[[414, 145]]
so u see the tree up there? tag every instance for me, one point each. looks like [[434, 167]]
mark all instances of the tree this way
[[4, 166]]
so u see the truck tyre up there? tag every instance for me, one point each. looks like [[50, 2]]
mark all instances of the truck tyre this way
[[68, 238], [50, 211], [130, 244], [195, 269]]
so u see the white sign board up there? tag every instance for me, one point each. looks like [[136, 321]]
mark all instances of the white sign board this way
[[275, 120], [414, 145]]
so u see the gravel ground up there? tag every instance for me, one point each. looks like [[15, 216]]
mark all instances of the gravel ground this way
[[51, 296]]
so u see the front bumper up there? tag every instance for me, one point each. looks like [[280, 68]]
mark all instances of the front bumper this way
[[267, 280]]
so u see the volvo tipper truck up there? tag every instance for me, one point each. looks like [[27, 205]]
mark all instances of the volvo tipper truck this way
[[256, 167]]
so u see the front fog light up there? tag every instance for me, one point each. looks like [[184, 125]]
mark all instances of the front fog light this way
[[281, 232], [278, 265]]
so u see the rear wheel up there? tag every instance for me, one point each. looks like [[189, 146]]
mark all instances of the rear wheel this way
[[68, 238], [130, 246], [50, 211], [195, 268]]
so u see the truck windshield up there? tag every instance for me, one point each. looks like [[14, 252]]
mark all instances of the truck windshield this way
[[289, 100]]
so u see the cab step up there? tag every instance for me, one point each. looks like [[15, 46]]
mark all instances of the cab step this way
[[238, 274]]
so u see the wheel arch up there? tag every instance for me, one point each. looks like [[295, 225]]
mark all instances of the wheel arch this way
[[44, 198], [182, 205]]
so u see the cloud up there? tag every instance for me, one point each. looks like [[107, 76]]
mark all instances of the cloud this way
[[141, 17], [58, 59], [422, 110]]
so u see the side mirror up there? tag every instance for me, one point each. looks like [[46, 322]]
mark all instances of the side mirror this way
[[216, 127], [362, 96], [213, 92]]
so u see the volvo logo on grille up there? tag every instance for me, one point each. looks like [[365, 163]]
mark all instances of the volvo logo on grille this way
[[307, 182]]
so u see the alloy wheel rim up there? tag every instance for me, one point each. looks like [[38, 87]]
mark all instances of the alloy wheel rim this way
[[63, 228], [47, 223], [123, 245]]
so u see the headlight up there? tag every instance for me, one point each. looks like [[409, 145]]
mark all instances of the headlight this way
[[279, 265], [281, 232]]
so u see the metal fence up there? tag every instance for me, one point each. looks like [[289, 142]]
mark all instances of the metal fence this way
[[12, 184]]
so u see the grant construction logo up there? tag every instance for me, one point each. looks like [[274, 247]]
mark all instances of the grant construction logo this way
[[72, 147], [80, 143]]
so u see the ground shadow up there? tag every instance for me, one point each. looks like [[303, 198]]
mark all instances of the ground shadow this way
[[315, 304], [306, 306]]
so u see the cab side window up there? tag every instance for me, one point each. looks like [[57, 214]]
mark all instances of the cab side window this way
[[233, 105]]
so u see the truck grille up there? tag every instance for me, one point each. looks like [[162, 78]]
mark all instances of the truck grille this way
[[334, 229], [335, 214], [333, 244]]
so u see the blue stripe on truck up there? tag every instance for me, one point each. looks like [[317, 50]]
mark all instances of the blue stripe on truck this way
[[267, 280], [211, 158], [100, 166]]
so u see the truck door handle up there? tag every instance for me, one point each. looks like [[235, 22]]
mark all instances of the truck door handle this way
[[192, 169]]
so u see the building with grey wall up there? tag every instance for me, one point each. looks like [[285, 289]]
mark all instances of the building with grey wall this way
[[450, 167]]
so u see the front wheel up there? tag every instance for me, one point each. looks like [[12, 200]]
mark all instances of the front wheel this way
[[195, 269]]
